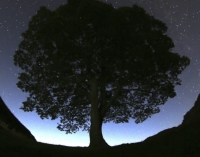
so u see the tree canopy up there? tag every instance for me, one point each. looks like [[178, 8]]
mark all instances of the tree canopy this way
[[87, 62]]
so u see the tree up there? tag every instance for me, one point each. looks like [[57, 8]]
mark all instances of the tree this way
[[88, 63]]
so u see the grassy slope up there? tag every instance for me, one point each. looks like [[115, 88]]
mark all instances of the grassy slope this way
[[8, 119], [184, 141]]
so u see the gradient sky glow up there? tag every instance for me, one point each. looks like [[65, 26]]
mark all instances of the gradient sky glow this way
[[183, 20]]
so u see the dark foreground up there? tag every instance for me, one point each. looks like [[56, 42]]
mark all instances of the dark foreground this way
[[181, 141], [175, 142]]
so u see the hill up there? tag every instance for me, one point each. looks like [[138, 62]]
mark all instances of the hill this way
[[180, 141], [10, 123]]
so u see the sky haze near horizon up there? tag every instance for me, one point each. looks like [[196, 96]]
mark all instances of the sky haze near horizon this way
[[182, 18]]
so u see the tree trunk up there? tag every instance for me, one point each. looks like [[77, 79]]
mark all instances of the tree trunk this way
[[96, 137]]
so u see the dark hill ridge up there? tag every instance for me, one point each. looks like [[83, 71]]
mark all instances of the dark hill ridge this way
[[193, 115], [9, 122], [180, 141], [183, 139], [191, 119]]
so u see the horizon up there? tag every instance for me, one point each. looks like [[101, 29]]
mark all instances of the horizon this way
[[42, 136]]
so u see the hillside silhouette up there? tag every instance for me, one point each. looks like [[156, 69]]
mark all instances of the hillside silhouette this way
[[9, 122], [180, 141]]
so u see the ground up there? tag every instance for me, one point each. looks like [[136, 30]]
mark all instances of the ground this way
[[184, 142]]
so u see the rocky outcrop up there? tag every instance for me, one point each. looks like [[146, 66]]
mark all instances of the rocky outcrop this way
[[10, 123]]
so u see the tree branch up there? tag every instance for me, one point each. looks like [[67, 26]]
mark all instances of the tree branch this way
[[113, 98], [130, 89]]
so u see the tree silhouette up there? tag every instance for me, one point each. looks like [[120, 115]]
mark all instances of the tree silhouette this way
[[88, 63]]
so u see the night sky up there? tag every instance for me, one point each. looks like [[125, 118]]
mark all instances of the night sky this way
[[183, 20]]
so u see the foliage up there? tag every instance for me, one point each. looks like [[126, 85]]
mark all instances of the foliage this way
[[125, 51]]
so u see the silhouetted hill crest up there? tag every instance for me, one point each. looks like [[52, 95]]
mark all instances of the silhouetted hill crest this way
[[9, 122], [183, 141], [193, 115], [191, 121]]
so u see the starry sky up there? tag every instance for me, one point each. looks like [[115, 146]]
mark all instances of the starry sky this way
[[183, 20]]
